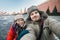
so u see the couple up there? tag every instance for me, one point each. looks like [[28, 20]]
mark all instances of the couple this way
[[39, 26]]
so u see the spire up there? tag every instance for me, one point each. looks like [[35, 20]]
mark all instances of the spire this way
[[25, 10], [48, 11]]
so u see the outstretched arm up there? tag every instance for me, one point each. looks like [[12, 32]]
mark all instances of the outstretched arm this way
[[54, 26]]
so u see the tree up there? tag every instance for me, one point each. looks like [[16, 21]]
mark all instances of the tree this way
[[55, 11], [48, 11]]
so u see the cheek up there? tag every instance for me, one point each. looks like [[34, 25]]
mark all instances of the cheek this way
[[38, 15], [21, 22], [31, 17]]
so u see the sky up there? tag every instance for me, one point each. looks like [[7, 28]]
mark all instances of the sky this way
[[18, 5]]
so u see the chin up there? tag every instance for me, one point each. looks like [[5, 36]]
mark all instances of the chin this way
[[34, 20]]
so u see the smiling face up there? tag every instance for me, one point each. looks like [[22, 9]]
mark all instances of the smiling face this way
[[35, 16], [20, 22]]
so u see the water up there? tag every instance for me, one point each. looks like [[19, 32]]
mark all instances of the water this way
[[56, 17], [6, 21]]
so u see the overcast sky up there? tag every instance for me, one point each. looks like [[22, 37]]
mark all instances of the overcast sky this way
[[17, 5]]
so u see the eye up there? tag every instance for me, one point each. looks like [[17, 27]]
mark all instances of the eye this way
[[20, 19], [36, 12], [31, 14]]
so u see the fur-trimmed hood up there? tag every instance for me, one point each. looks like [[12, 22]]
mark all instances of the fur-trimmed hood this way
[[33, 8], [44, 16]]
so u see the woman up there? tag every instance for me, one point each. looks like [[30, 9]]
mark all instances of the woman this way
[[40, 26], [18, 26]]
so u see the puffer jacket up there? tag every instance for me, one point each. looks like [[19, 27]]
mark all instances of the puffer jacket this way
[[50, 27], [12, 35]]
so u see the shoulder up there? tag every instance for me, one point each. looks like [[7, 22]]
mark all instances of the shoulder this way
[[50, 20]]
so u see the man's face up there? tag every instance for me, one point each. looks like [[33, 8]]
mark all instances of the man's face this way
[[35, 16]]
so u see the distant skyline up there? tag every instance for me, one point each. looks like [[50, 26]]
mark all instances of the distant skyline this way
[[17, 5]]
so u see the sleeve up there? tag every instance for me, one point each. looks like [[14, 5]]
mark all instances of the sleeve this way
[[54, 26], [10, 35], [30, 35]]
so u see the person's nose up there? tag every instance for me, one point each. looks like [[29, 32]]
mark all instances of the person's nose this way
[[34, 15]]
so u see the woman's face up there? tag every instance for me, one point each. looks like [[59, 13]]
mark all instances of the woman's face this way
[[20, 22], [35, 16]]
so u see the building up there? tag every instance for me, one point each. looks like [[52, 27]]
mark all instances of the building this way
[[51, 4]]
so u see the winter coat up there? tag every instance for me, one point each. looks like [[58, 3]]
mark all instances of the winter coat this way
[[50, 27], [12, 35]]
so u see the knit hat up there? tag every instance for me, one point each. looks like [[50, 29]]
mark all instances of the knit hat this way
[[18, 17], [32, 8]]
